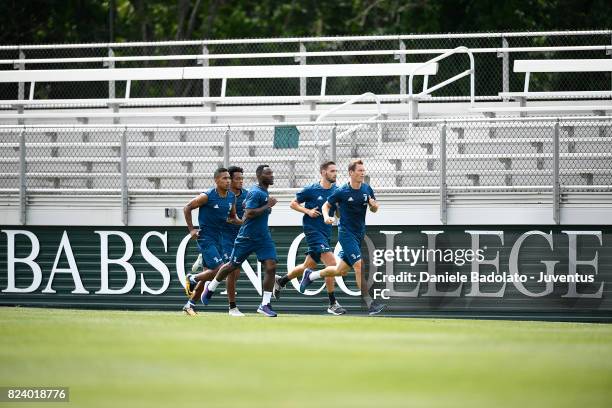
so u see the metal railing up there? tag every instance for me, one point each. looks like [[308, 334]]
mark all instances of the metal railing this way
[[494, 55], [512, 156]]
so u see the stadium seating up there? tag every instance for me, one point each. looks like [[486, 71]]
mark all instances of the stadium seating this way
[[171, 143]]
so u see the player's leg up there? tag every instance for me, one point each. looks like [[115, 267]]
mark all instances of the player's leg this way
[[268, 285], [231, 294], [373, 306], [334, 308], [199, 287], [281, 281], [211, 286], [266, 254], [228, 247]]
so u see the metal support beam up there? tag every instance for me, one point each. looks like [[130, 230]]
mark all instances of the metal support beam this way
[[556, 192], [402, 60], [226, 148], [505, 56], [124, 181], [111, 84], [302, 61], [332, 144], [205, 81], [21, 85], [22, 178], [443, 198]]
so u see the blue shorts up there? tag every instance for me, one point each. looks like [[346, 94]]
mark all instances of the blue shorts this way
[[351, 247], [229, 237], [318, 243], [212, 252], [264, 248]]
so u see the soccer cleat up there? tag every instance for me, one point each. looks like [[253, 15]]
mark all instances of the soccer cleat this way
[[189, 310], [277, 288], [235, 312], [305, 280], [188, 290], [197, 265], [336, 309], [376, 308], [266, 310], [206, 294]]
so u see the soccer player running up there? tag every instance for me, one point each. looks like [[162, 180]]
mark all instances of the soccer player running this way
[[353, 200], [318, 233], [217, 208], [254, 236], [229, 234]]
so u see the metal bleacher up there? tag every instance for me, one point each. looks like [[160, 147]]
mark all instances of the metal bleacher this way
[[443, 146]]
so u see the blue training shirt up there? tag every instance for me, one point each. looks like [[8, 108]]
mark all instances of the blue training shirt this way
[[257, 227], [314, 196], [231, 228], [353, 205], [213, 215]]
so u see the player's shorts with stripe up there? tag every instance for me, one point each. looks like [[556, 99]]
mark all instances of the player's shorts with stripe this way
[[212, 251], [263, 247], [351, 246], [318, 243], [228, 238]]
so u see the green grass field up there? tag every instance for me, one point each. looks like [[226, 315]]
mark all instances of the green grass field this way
[[150, 359]]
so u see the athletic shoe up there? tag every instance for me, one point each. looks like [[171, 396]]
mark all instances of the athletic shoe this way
[[189, 310], [188, 290], [266, 310], [305, 280], [376, 308], [235, 312], [197, 265], [336, 309], [206, 294], [277, 288]]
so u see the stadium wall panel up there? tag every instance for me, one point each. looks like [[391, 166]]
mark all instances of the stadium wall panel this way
[[158, 257]]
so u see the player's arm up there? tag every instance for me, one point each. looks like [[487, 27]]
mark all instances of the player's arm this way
[[296, 206], [233, 217], [196, 202], [250, 213], [326, 208], [372, 203]]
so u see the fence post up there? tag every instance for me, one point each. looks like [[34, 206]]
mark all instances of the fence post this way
[[124, 181], [332, 144], [205, 81], [21, 86], [111, 84], [443, 201], [505, 67], [22, 178], [21, 66], [302, 61], [556, 192], [402, 60], [226, 148]]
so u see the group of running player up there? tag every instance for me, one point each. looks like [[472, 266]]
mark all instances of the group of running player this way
[[233, 223]]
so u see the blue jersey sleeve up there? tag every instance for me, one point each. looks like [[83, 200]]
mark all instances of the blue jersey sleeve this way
[[303, 195], [252, 200], [371, 192], [335, 198]]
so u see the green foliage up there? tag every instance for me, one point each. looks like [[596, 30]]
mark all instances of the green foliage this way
[[67, 21]]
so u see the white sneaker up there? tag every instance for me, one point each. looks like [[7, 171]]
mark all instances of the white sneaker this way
[[197, 265], [235, 312]]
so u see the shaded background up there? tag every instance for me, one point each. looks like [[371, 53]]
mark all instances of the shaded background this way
[[69, 21]]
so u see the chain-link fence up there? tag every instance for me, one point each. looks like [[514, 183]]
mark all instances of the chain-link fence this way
[[399, 155], [494, 57]]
